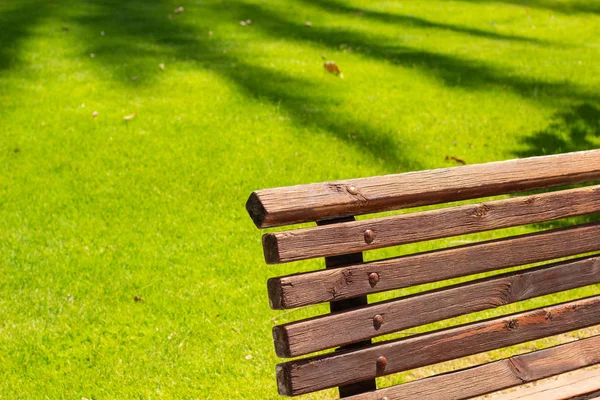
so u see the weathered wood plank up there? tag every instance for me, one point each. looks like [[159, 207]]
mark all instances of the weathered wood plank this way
[[316, 373], [357, 236], [498, 375], [342, 283], [307, 336], [313, 202], [582, 383], [342, 305]]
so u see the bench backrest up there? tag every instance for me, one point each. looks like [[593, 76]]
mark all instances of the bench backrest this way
[[347, 280]]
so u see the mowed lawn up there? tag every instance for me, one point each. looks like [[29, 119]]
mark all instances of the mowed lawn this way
[[128, 265]]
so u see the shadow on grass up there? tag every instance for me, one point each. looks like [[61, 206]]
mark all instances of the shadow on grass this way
[[138, 36], [573, 130], [453, 71], [561, 6], [338, 7], [16, 24]]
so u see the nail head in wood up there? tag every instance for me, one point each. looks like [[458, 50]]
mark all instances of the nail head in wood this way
[[369, 236], [373, 279], [381, 364], [352, 190], [377, 321]]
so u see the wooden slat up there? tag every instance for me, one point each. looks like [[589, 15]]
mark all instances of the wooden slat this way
[[322, 286], [498, 375], [316, 373], [313, 202], [301, 244], [307, 336], [338, 306], [582, 383]]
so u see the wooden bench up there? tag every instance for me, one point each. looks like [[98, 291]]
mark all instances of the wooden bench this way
[[347, 279]]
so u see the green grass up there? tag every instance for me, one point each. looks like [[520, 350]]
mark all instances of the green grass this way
[[95, 211]]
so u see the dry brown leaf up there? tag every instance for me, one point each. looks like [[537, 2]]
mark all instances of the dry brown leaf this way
[[138, 299], [458, 160], [128, 117], [332, 67]]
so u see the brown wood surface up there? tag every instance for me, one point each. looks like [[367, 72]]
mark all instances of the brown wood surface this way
[[342, 305], [301, 244], [307, 336], [321, 372], [328, 200], [580, 385], [498, 375], [342, 283]]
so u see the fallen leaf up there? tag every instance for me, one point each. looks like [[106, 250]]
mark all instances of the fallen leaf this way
[[128, 117], [161, 66], [95, 114], [458, 160], [308, 23], [331, 66], [243, 23], [178, 10], [138, 299], [249, 357], [92, 55]]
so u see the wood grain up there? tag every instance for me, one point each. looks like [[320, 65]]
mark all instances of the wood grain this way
[[307, 336], [342, 305], [314, 202], [579, 384], [342, 283], [301, 244], [498, 375], [316, 373]]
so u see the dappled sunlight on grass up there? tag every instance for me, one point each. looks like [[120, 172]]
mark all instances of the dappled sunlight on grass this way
[[98, 210]]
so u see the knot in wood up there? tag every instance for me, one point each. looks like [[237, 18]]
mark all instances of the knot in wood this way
[[381, 364], [373, 279], [512, 324], [481, 210], [369, 236], [377, 321]]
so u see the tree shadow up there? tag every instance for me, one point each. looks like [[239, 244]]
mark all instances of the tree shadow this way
[[335, 6], [575, 129], [139, 35], [565, 7], [451, 70], [16, 24], [132, 48]]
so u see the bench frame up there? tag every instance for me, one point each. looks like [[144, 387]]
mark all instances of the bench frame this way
[[347, 279]]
